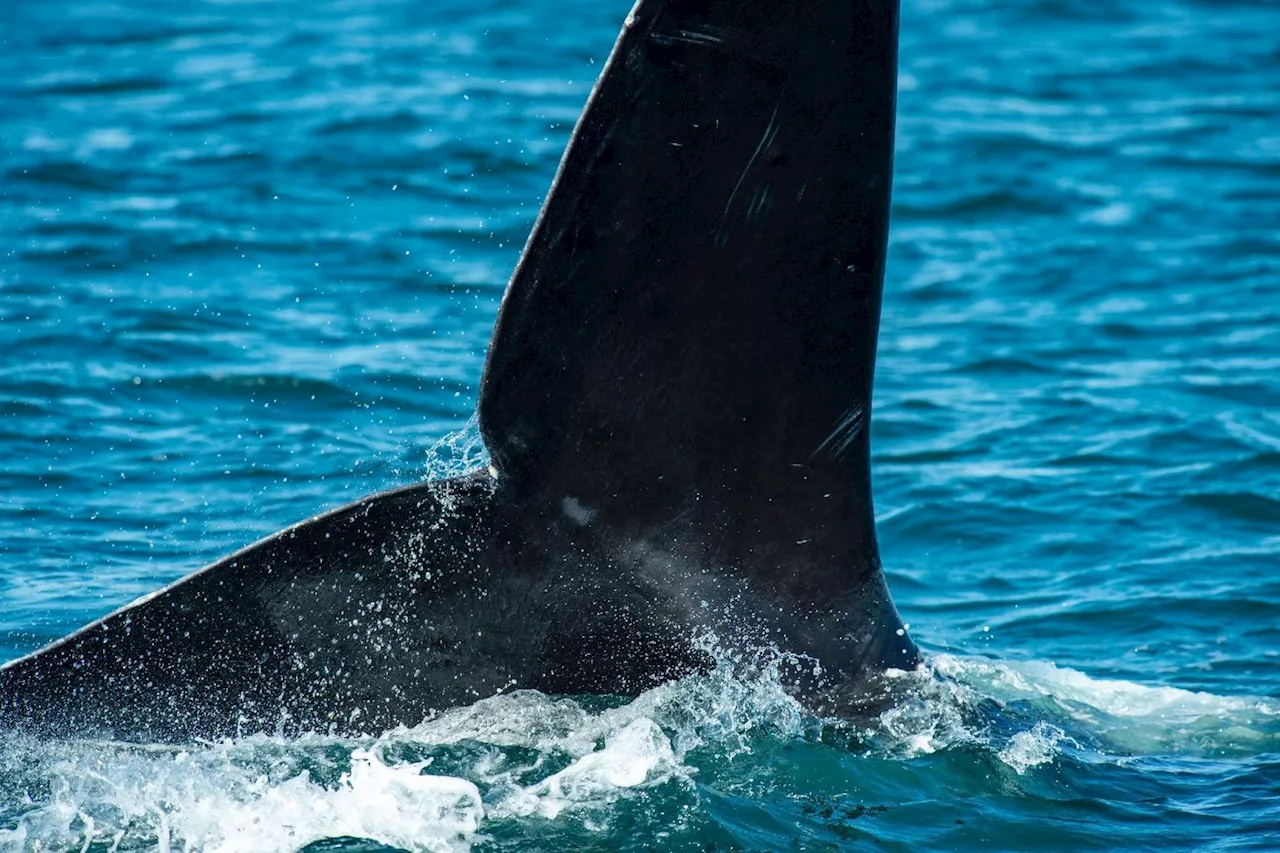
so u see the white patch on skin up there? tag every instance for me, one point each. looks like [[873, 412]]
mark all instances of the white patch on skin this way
[[577, 512]]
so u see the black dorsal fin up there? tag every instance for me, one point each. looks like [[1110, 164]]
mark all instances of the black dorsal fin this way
[[689, 338]]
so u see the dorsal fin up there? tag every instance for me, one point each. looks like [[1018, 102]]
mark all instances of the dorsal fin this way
[[690, 334]]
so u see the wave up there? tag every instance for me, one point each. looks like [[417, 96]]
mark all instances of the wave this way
[[580, 766]]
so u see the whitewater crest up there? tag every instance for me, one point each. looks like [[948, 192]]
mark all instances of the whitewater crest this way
[[514, 763], [433, 787]]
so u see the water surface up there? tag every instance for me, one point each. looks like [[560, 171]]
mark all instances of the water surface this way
[[250, 257]]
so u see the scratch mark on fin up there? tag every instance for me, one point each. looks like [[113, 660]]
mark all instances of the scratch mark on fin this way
[[845, 433], [759, 204], [699, 37], [770, 133]]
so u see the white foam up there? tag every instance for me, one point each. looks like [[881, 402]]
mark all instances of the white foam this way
[[394, 805], [1122, 717], [211, 802], [638, 754], [1032, 748], [1029, 679], [524, 718], [544, 758], [268, 794]]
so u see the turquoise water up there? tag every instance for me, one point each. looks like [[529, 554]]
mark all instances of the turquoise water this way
[[250, 257]]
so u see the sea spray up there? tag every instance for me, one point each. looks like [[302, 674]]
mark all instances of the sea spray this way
[[496, 770]]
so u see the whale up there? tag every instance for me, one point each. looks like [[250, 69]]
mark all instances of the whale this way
[[676, 404]]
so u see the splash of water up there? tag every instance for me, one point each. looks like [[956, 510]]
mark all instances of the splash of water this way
[[526, 757]]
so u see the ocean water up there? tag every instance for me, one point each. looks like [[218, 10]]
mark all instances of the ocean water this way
[[250, 257]]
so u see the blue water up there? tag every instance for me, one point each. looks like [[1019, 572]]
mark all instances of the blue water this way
[[250, 257]]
